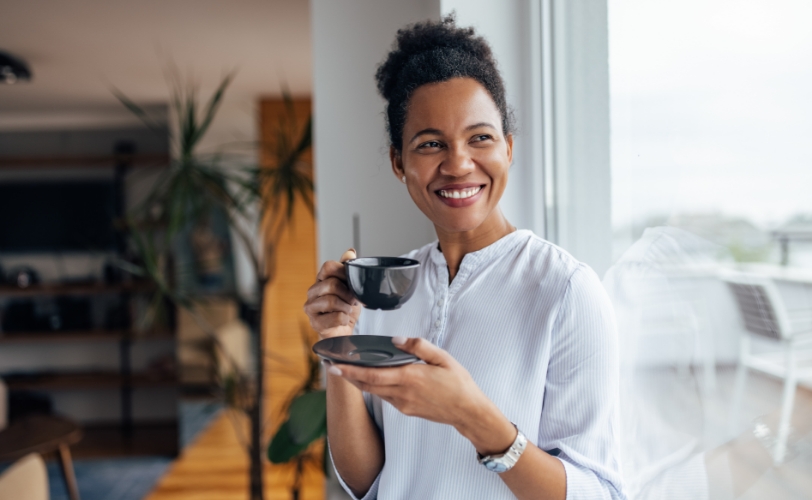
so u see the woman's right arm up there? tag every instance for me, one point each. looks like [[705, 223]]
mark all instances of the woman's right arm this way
[[355, 444]]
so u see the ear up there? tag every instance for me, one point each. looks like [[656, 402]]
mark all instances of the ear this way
[[397, 162], [509, 142]]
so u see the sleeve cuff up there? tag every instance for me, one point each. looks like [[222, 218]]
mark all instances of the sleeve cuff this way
[[582, 483], [371, 494]]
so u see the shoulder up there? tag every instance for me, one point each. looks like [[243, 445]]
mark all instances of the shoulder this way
[[577, 286], [545, 263], [421, 254]]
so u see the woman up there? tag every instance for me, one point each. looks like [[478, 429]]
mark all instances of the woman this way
[[517, 337]]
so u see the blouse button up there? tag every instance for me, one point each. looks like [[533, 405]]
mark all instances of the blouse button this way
[[437, 324], [440, 302]]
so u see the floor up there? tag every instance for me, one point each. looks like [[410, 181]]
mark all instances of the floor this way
[[742, 469], [721, 461], [213, 465], [128, 477]]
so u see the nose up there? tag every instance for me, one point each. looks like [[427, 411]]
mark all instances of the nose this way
[[457, 163]]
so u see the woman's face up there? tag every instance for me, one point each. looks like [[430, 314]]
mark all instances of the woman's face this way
[[455, 156]]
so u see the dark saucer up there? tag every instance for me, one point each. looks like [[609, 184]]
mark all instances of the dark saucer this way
[[363, 350]]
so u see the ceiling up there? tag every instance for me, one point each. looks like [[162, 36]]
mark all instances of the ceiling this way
[[79, 50]]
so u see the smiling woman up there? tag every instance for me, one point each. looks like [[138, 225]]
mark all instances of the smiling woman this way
[[517, 338]]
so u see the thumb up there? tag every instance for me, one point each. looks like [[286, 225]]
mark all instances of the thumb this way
[[423, 349], [348, 255]]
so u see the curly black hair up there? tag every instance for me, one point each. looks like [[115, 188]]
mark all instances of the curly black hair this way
[[436, 51]]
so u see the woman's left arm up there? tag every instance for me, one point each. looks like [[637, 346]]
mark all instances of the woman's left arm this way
[[443, 391]]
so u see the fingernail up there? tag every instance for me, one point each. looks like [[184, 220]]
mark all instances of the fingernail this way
[[352, 250], [399, 340], [334, 370]]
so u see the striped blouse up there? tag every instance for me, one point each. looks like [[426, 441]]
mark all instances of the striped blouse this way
[[536, 331]]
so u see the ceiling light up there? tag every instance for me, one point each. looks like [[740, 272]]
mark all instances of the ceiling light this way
[[12, 69]]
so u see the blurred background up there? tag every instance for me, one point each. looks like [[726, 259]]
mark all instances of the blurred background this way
[[173, 173]]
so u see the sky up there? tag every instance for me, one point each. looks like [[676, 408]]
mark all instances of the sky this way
[[711, 106]]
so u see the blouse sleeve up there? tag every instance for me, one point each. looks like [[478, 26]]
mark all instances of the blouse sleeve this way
[[579, 413]]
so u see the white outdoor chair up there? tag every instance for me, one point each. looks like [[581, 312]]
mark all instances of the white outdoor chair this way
[[764, 315]]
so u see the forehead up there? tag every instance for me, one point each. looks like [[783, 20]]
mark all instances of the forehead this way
[[453, 104]]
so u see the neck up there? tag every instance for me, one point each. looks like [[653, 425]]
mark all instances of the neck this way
[[455, 245]]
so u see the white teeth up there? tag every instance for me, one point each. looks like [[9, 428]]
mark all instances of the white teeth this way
[[460, 194]]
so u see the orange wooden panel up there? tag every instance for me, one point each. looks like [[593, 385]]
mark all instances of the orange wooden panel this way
[[215, 466]]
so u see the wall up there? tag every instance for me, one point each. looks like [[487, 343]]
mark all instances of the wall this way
[[507, 30], [353, 174], [351, 38]]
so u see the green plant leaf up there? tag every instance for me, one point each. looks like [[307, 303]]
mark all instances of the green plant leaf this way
[[213, 104], [282, 448], [308, 416], [137, 110]]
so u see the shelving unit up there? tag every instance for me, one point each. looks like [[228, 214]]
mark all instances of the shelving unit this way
[[121, 375], [83, 336], [72, 290], [157, 160], [88, 380], [125, 380]]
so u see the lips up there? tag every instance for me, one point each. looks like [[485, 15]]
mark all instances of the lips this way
[[460, 195]]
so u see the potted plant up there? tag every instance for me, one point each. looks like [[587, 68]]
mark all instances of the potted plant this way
[[256, 199]]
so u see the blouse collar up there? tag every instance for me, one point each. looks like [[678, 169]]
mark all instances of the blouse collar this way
[[481, 258]]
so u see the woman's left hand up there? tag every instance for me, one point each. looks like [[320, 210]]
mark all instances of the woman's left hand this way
[[441, 390]]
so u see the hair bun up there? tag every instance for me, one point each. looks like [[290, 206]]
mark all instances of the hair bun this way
[[435, 51]]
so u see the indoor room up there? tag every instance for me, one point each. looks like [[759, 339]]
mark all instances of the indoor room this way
[[515, 249]]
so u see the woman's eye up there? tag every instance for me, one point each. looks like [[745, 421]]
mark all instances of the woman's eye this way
[[482, 137], [430, 144]]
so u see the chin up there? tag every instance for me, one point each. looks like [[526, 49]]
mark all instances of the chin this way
[[460, 225]]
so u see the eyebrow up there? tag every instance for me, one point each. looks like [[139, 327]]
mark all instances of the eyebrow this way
[[434, 131]]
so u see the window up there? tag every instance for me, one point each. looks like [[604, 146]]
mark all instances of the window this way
[[712, 122]]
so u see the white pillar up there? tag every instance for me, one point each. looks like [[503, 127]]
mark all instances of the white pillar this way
[[353, 176]]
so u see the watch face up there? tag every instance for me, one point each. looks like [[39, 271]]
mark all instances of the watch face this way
[[494, 466]]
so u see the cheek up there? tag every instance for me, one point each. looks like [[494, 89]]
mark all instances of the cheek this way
[[496, 166], [421, 171]]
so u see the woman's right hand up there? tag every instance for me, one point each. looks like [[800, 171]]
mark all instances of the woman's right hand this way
[[331, 306]]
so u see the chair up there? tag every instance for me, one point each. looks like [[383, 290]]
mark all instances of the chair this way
[[26, 479], [43, 434], [765, 316]]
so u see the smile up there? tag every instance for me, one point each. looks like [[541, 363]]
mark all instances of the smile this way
[[459, 194]]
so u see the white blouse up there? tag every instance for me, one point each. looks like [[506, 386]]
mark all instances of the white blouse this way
[[536, 331]]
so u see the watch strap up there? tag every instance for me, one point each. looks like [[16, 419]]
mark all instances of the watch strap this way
[[506, 461]]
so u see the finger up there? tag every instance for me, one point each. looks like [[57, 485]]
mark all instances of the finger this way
[[328, 304], [348, 255], [423, 349], [331, 268], [323, 322], [388, 393], [331, 286], [373, 376]]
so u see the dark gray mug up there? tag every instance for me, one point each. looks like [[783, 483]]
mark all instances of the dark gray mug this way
[[382, 282]]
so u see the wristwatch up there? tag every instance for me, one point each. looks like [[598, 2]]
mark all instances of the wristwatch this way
[[506, 461]]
